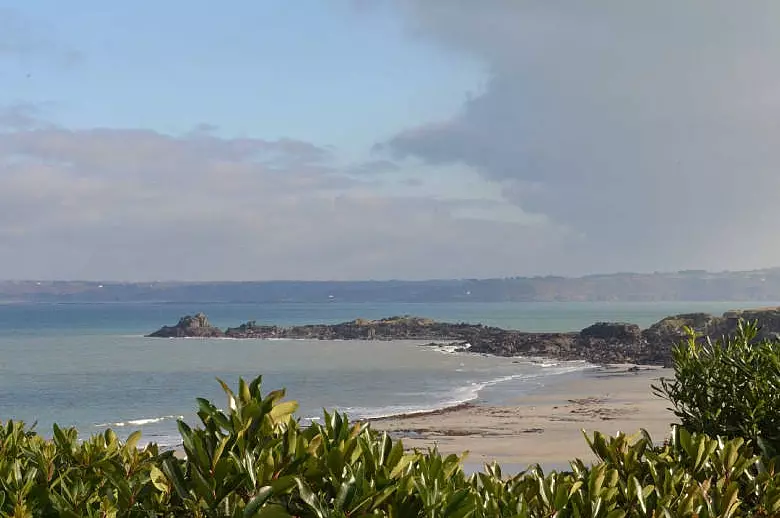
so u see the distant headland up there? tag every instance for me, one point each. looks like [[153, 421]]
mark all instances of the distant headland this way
[[689, 285], [602, 342]]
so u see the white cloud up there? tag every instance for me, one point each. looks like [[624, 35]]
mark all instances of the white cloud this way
[[137, 204]]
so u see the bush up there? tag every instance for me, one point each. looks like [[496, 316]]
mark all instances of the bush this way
[[256, 461], [729, 388]]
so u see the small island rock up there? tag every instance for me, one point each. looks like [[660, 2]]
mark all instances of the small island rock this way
[[196, 326]]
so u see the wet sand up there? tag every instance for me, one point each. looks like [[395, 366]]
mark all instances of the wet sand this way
[[543, 427]]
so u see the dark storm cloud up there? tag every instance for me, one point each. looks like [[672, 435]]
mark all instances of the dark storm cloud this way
[[649, 128]]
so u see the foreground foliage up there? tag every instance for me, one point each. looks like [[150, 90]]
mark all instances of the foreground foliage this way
[[256, 461], [729, 387]]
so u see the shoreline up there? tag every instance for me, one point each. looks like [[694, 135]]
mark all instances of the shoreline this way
[[542, 427], [545, 426], [478, 401], [423, 413]]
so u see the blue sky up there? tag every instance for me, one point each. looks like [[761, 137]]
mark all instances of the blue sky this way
[[376, 139], [318, 71]]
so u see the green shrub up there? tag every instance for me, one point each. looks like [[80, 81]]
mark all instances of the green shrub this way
[[729, 387], [64, 477], [254, 460]]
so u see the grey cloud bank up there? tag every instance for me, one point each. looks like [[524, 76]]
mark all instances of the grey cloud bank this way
[[647, 128]]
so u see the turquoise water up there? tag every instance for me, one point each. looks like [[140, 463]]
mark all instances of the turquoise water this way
[[88, 365]]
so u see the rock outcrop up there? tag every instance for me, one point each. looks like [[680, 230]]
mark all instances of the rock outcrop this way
[[196, 326], [602, 342], [612, 331], [768, 319], [672, 329]]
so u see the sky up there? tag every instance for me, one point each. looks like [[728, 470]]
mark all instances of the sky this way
[[386, 139]]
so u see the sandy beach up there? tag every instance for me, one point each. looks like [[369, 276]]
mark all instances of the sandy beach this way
[[544, 427]]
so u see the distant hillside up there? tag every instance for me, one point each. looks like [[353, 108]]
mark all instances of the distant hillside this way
[[695, 285]]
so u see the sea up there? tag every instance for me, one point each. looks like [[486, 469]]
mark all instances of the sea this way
[[90, 366]]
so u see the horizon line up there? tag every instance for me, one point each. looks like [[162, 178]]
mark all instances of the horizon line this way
[[409, 281]]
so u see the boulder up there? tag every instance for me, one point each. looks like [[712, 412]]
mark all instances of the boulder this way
[[613, 331], [768, 321], [671, 330]]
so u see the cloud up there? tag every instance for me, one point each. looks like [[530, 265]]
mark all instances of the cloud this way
[[20, 116], [375, 167], [106, 149], [130, 204], [650, 129]]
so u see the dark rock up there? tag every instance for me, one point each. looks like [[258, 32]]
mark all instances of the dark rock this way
[[619, 331], [252, 330], [189, 326], [671, 330], [601, 343], [768, 321]]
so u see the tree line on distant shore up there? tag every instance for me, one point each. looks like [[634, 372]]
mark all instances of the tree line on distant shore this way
[[691, 285], [254, 459]]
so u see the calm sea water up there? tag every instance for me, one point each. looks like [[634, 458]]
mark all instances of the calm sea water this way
[[88, 365]]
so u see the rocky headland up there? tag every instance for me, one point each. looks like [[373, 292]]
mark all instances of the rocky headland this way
[[602, 342], [190, 326]]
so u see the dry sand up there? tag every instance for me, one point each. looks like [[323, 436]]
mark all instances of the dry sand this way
[[545, 427]]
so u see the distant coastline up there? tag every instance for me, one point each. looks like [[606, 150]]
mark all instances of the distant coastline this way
[[689, 285]]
